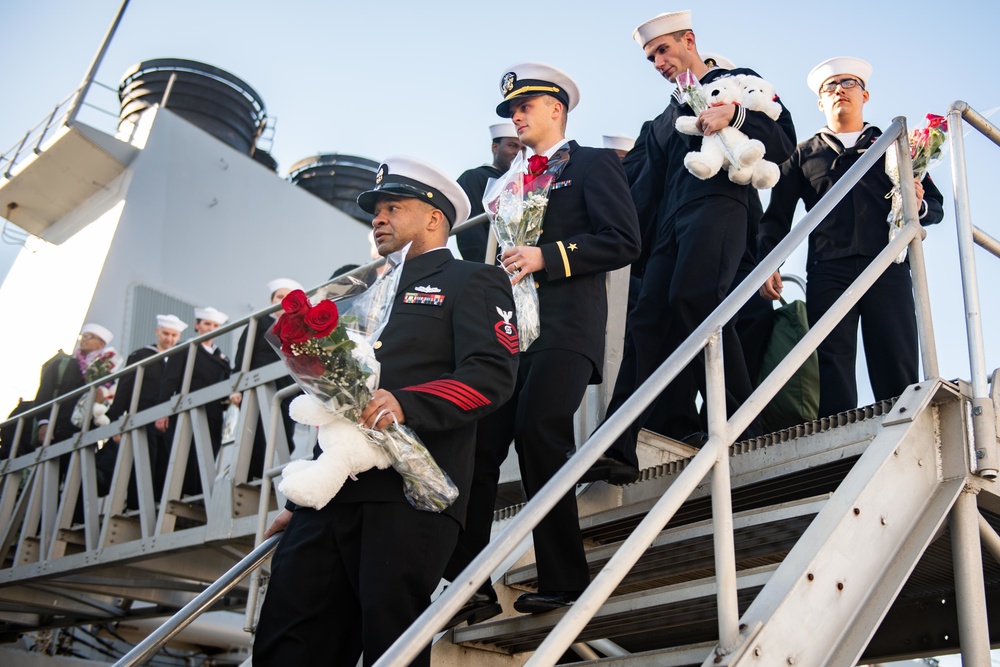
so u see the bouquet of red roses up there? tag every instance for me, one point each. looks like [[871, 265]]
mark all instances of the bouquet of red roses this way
[[328, 351], [926, 145], [515, 204]]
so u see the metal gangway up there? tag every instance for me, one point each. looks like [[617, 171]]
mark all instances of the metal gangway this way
[[935, 448]]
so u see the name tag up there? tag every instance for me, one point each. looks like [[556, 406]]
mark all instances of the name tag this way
[[424, 299]]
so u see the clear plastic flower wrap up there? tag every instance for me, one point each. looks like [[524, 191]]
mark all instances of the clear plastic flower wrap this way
[[515, 204], [327, 345], [926, 146]]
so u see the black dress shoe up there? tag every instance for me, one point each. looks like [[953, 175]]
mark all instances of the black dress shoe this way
[[480, 607], [533, 603], [611, 470]]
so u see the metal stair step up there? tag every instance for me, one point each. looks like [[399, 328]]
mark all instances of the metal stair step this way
[[763, 536], [670, 615]]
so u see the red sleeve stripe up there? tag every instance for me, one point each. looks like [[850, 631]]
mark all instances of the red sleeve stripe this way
[[453, 391]]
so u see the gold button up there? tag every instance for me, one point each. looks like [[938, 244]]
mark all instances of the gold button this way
[[377, 345], [537, 285]]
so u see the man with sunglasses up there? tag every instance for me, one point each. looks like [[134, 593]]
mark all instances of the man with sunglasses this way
[[847, 239]]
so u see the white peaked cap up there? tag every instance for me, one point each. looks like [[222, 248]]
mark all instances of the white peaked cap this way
[[171, 322], [663, 24], [401, 176], [101, 332], [283, 283], [528, 79], [503, 130], [717, 59], [839, 65], [618, 142], [210, 314]]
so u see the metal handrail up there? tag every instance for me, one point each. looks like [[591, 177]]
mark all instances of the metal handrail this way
[[145, 649], [409, 644]]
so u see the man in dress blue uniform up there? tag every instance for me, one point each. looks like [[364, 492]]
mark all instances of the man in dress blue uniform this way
[[263, 354], [168, 331], [847, 239], [211, 366], [590, 228], [351, 577], [506, 145], [702, 228]]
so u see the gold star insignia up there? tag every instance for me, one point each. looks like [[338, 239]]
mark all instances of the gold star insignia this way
[[572, 246]]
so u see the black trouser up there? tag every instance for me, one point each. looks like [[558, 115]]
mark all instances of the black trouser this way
[[350, 578], [539, 418], [888, 329], [689, 272]]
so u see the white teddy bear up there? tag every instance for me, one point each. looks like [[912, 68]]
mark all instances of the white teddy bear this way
[[347, 451], [753, 94]]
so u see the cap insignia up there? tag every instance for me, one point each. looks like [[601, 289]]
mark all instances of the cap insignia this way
[[507, 82]]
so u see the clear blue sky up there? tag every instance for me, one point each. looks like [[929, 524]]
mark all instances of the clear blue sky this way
[[422, 78]]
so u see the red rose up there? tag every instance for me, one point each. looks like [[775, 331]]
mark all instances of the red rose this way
[[537, 164], [292, 329], [933, 120], [295, 303], [542, 182], [322, 317], [306, 366]]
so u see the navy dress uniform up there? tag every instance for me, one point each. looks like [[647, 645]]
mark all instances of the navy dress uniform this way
[[211, 366], [472, 242], [351, 577], [149, 395], [263, 354], [700, 233], [841, 247], [590, 228]]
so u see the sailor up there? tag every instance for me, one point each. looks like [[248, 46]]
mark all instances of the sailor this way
[[262, 355], [847, 239], [505, 145], [702, 228], [168, 331], [65, 372], [589, 228], [619, 143], [211, 366], [349, 578]]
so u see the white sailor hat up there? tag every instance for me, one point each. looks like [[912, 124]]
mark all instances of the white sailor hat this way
[[528, 79], [210, 314], [717, 60], [171, 322], [282, 283], [101, 332], [503, 130], [402, 176], [663, 24], [618, 142], [839, 65]]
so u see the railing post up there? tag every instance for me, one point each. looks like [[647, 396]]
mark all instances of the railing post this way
[[983, 419], [973, 632], [918, 269], [722, 502], [88, 78]]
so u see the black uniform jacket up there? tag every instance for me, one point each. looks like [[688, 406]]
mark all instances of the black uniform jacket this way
[[472, 242], [262, 354], [209, 368], [51, 386], [149, 394], [590, 228], [449, 356], [665, 184], [857, 226]]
